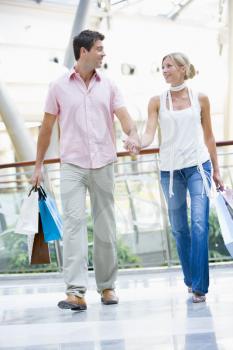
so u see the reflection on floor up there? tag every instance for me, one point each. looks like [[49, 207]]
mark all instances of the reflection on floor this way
[[155, 312]]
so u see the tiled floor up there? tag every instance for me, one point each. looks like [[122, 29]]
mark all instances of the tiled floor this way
[[155, 312]]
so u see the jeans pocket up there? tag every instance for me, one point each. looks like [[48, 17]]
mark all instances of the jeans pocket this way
[[207, 166]]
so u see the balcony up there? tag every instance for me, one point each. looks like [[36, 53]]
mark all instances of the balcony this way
[[155, 309]]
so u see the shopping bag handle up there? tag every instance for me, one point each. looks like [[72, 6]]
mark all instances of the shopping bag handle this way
[[33, 189], [41, 192]]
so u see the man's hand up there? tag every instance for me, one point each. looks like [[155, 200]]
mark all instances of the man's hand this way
[[132, 144], [37, 177]]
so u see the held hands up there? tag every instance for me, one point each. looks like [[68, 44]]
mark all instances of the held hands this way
[[133, 145]]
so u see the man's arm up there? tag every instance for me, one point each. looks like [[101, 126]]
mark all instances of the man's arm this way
[[42, 146], [128, 126]]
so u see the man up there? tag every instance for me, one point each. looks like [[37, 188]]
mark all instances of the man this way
[[84, 101]]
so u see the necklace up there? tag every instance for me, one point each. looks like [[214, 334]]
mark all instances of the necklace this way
[[178, 87]]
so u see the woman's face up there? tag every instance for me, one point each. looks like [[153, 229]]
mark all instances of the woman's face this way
[[173, 73]]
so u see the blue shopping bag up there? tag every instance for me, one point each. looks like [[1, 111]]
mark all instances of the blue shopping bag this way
[[50, 217]]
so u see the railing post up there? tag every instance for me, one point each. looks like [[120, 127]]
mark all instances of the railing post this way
[[58, 254], [164, 216]]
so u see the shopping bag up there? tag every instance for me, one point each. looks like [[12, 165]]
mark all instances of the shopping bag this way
[[50, 216], [228, 196], [28, 217], [40, 249], [225, 221]]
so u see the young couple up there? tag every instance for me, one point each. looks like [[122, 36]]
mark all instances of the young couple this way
[[84, 101]]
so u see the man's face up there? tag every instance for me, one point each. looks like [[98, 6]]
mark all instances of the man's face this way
[[94, 57]]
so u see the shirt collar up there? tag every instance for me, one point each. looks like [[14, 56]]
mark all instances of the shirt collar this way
[[73, 74]]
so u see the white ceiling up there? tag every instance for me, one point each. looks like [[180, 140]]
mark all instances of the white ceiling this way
[[32, 34]]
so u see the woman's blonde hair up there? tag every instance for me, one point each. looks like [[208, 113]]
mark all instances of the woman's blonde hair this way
[[181, 59]]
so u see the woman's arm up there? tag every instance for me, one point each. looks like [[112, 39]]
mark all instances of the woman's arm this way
[[209, 139], [152, 122]]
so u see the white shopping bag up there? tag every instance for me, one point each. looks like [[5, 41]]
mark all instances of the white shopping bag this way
[[228, 196], [225, 221], [27, 223], [30, 241]]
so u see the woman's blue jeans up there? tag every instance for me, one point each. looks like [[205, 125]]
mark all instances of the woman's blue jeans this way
[[192, 243]]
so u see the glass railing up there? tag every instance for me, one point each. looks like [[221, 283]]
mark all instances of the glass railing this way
[[144, 237]]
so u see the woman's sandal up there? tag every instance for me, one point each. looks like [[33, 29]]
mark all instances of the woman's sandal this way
[[197, 298]]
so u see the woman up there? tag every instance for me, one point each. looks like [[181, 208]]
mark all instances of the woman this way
[[187, 146]]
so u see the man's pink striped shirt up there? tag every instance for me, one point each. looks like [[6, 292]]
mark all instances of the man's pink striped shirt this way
[[85, 117]]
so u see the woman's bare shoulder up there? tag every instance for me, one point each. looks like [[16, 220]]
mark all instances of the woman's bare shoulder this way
[[203, 97], [154, 101]]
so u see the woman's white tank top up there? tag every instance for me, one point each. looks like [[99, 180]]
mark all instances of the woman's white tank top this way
[[182, 139]]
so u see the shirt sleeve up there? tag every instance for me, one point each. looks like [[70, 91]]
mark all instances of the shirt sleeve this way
[[51, 102], [117, 98]]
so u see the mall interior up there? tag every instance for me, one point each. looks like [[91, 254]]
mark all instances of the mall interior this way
[[155, 309]]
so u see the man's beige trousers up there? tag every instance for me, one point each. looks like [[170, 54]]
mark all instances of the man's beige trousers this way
[[75, 182]]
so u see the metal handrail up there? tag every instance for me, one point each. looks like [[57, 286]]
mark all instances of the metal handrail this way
[[119, 154], [135, 159]]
